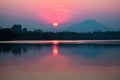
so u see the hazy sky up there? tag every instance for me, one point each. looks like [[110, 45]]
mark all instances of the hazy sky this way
[[40, 12]]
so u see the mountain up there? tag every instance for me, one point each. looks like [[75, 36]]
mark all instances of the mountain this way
[[88, 26]]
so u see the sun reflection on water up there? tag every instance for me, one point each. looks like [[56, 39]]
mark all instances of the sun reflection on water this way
[[55, 48]]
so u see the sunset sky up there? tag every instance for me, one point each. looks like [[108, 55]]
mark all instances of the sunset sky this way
[[43, 13]]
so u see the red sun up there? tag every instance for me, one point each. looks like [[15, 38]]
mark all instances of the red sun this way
[[55, 24]]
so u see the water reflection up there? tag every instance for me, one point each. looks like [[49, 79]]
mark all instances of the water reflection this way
[[70, 62], [87, 50], [55, 48]]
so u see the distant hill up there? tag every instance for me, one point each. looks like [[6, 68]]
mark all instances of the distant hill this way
[[88, 26]]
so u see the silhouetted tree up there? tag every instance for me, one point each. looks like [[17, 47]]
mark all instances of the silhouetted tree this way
[[38, 30], [6, 34], [17, 28], [25, 30]]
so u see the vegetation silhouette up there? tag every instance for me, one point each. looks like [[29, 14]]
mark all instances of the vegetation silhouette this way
[[19, 33]]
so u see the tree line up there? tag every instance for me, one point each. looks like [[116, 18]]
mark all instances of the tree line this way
[[16, 32]]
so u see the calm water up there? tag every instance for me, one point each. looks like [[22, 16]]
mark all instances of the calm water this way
[[60, 60]]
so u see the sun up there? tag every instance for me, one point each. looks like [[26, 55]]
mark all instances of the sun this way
[[55, 24]]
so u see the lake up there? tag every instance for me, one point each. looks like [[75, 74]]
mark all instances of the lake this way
[[60, 60]]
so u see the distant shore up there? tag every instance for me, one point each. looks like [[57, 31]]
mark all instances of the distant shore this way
[[19, 33]]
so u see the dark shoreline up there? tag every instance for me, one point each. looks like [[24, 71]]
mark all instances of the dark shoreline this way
[[8, 34]]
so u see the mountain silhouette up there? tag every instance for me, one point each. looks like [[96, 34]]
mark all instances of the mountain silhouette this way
[[88, 26]]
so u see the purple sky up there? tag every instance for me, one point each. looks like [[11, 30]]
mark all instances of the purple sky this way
[[43, 13]]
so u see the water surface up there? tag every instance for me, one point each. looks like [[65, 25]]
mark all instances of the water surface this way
[[60, 60]]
